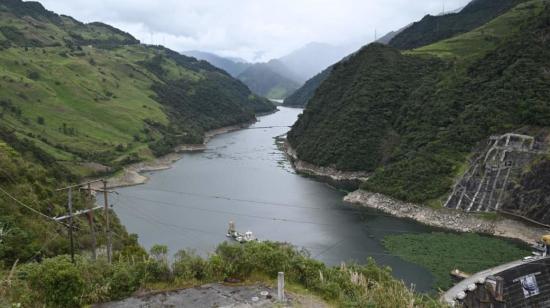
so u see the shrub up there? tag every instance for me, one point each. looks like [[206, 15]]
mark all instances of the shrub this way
[[125, 279], [33, 75], [189, 266], [57, 281]]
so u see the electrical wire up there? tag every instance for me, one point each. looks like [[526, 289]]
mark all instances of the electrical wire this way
[[250, 201], [30, 208], [46, 243], [225, 212], [323, 251], [261, 203], [270, 218]]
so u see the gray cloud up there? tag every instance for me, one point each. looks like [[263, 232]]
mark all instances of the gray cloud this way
[[251, 29]]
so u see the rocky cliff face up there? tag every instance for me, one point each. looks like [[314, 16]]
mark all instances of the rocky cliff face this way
[[510, 174], [530, 195]]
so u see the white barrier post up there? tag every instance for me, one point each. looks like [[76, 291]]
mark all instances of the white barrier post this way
[[281, 286]]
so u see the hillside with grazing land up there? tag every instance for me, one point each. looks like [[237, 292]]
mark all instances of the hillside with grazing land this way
[[412, 118], [82, 100], [89, 93]]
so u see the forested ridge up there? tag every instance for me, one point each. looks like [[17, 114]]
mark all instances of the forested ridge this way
[[412, 118], [432, 29], [301, 97], [272, 79], [429, 30]]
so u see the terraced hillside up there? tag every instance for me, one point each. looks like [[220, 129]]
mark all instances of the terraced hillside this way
[[413, 118], [90, 94]]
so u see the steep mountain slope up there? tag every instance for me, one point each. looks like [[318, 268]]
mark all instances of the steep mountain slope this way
[[233, 67], [386, 39], [32, 177], [413, 118], [435, 28], [313, 58], [89, 93], [301, 97], [426, 31], [84, 99], [529, 194], [272, 80]]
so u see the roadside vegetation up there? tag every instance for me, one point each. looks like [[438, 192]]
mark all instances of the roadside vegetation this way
[[56, 282], [443, 252]]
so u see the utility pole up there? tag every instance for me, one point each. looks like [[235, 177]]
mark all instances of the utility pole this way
[[91, 221], [70, 204], [71, 215], [109, 239]]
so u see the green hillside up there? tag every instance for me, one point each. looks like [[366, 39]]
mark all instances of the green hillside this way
[[301, 97], [91, 93], [83, 99], [480, 41], [271, 80], [413, 118], [432, 29], [31, 177], [232, 66]]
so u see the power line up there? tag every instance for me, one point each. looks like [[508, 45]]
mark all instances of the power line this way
[[28, 207], [46, 243], [323, 251], [152, 219], [227, 212], [261, 203], [176, 205]]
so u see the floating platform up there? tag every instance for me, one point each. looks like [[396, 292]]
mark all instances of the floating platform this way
[[242, 238]]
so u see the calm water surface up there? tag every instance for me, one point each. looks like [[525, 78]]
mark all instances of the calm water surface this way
[[244, 177]]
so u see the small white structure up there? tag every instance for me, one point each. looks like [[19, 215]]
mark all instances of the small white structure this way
[[248, 236]]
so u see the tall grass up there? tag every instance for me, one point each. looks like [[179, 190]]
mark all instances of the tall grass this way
[[87, 282]]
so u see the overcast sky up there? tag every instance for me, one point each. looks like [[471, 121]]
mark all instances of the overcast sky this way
[[251, 29]]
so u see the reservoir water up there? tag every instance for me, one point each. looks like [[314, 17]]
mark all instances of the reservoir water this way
[[244, 177]]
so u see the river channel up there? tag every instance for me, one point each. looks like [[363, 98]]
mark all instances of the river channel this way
[[243, 177]]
